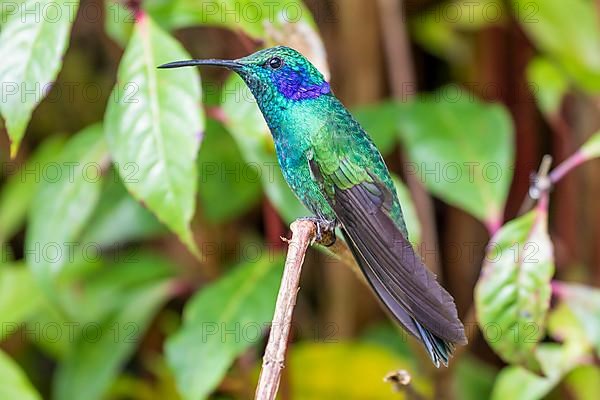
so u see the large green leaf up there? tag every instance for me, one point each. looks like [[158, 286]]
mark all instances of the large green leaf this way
[[555, 360], [228, 184], [248, 128], [119, 218], [18, 298], [14, 384], [95, 359], [251, 16], [513, 293], [18, 191], [346, 371], [462, 150], [154, 134], [567, 31], [221, 322], [66, 198], [32, 44]]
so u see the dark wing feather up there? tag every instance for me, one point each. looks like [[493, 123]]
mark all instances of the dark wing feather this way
[[396, 273]]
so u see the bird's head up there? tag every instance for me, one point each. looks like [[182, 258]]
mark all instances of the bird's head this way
[[278, 71]]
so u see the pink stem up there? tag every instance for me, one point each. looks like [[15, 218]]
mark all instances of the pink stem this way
[[567, 166]]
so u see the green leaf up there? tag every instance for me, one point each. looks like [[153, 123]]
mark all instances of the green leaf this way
[[380, 122], [228, 186], [346, 371], [584, 382], [474, 380], [584, 303], [568, 32], [518, 383], [221, 322], [591, 148], [118, 21], [64, 203], [549, 84], [462, 150], [32, 44], [444, 29], [155, 134], [14, 384], [251, 16], [513, 293], [19, 189], [249, 130], [119, 218], [18, 298], [99, 353]]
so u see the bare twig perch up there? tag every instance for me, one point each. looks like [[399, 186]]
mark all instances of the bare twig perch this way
[[303, 234]]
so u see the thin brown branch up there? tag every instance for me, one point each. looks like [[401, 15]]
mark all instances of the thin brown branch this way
[[303, 234]]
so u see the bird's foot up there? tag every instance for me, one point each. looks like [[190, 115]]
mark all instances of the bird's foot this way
[[325, 230]]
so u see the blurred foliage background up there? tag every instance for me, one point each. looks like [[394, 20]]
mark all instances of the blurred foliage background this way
[[141, 211]]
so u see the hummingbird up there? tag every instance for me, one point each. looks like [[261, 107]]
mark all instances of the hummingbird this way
[[337, 172]]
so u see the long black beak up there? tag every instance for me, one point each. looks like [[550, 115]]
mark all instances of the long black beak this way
[[210, 62]]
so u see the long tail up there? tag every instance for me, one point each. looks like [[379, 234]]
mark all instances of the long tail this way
[[438, 348]]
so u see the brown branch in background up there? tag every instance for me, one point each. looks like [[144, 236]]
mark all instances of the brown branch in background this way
[[404, 85], [303, 234]]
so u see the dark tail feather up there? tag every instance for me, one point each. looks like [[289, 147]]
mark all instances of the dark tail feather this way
[[439, 350]]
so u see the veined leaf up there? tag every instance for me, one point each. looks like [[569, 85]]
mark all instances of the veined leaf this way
[[13, 382], [64, 203], [221, 322], [462, 150], [155, 134], [513, 293], [32, 44]]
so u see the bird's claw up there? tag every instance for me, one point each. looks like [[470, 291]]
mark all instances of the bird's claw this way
[[325, 231]]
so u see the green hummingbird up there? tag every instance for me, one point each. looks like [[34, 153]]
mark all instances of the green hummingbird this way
[[335, 170]]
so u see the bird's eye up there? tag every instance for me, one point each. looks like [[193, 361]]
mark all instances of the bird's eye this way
[[275, 62]]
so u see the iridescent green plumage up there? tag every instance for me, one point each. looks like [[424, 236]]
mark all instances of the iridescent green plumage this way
[[334, 168]]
